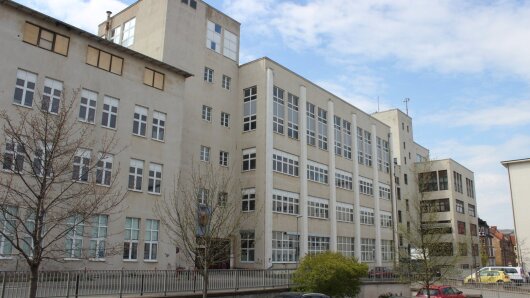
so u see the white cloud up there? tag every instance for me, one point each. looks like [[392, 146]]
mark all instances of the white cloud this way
[[85, 14], [447, 36]]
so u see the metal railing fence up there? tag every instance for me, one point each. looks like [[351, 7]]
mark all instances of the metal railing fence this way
[[138, 282]]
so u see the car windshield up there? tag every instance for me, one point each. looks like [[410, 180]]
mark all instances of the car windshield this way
[[430, 291], [510, 270]]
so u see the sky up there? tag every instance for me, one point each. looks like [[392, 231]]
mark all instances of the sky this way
[[464, 65]]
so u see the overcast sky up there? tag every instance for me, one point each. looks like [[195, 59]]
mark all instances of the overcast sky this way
[[465, 65]]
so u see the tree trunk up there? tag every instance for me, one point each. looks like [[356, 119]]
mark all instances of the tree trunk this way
[[34, 279], [205, 283]]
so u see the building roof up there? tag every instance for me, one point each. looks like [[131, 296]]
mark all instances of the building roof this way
[[95, 38], [506, 163]]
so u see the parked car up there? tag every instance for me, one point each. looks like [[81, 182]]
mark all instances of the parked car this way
[[516, 274], [489, 276], [300, 295], [441, 292], [381, 272]]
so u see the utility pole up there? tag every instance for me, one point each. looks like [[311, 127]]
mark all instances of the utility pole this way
[[406, 101]]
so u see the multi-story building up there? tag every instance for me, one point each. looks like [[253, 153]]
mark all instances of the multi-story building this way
[[504, 248], [519, 175], [487, 252], [317, 173]]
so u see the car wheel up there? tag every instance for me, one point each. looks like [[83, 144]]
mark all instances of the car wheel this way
[[499, 281]]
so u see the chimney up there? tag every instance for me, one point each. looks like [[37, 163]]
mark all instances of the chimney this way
[[107, 25]]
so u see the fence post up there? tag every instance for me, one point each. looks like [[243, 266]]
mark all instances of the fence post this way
[[165, 282], [142, 283], [76, 285], [237, 279], [121, 283], [4, 281], [67, 284]]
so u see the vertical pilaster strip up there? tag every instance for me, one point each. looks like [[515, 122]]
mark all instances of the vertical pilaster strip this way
[[394, 200], [268, 169], [331, 180], [377, 213], [303, 170], [356, 193]]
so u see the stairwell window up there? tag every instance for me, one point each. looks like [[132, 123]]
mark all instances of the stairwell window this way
[[278, 108], [322, 129], [292, 116], [311, 124], [249, 108]]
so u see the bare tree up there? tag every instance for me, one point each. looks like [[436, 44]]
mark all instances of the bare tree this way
[[430, 256], [56, 179], [203, 216]]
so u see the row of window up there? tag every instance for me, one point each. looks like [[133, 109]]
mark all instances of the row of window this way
[[205, 156], [462, 228], [206, 115], [437, 180], [226, 81]]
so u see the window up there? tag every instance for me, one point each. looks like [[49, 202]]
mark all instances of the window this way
[[13, 156], [285, 202], [128, 33], [226, 82], [407, 206], [27, 240], [462, 249], [206, 113], [386, 156], [473, 229], [155, 178], [136, 169], [205, 154], [343, 179], [40, 157], [366, 186], [471, 210], [208, 75], [81, 165], [460, 206], [458, 182], [151, 239], [386, 219], [384, 191], [443, 183], [104, 169], [213, 36], [317, 207], [278, 108], [285, 247], [8, 216], [367, 216], [317, 172], [46, 39], [248, 199], [399, 216], [285, 163], [140, 121], [249, 108], [191, 3], [311, 124], [428, 181], [154, 78], [461, 228], [322, 129], [96, 246], [398, 193], [337, 123], [379, 144], [115, 35], [159, 126], [24, 88], [470, 189], [225, 119], [475, 251], [247, 246], [387, 250], [442, 249], [405, 179], [230, 45], [346, 246], [360, 145], [439, 205], [130, 243], [223, 158], [367, 250], [202, 196], [74, 236], [344, 212], [110, 112], [317, 244], [87, 106], [249, 159], [383, 155], [367, 148], [104, 60], [346, 128], [51, 96], [292, 116]]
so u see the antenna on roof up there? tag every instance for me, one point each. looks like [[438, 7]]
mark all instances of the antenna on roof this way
[[406, 101]]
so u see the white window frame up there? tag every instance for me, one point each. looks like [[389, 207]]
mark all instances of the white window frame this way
[[292, 116], [360, 145], [368, 148], [208, 74], [223, 158], [367, 250], [96, 248], [88, 106], [104, 169], [206, 113], [140, 121], [322, 129], [154, 185], [347, 144], [285, 247], [225, 119], [459, 207], [128, 33], [230, 45], [387, 250], [343, 179], [386, 219], [285, 163], [278, 110], [51, 96], [204, 153], [317, 244], [110, 112], [158, 129], [74, 237], [250, 96], [367, 216], [130, 242], [311, 124], [248, 199], [317, 208], [226, 82], [213, 36], [317, 172], [345, 212], [337, 124], [81, 165], [248, 246], [152, 231], [25, 86], [249, 159], [384, 191], [285, 202], [366, 186], [115, 35], [8, 226], [346, 246], [136, 173], [14, 156]]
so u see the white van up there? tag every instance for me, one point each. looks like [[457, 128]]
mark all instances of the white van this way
[[517, 274]]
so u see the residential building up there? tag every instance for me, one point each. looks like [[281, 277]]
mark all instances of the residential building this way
[[487, 252], [504, 248], [519, 175]]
